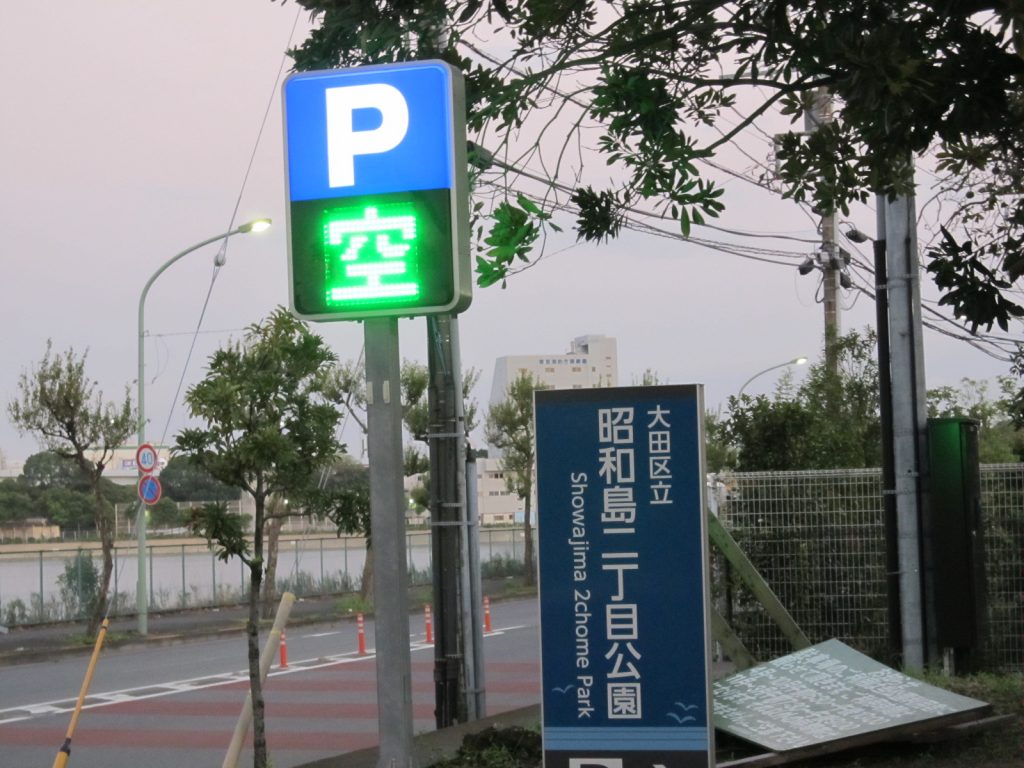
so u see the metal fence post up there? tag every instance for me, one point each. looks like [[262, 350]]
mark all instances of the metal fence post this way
[[184, 594], [41, 585]]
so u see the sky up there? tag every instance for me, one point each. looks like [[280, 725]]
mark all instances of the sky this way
[[126, 134]]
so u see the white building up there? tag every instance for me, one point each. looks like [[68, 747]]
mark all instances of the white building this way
[[592, 361], [496, 504]]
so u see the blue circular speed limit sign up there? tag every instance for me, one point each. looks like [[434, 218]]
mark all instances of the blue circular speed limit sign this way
[[149, 490]]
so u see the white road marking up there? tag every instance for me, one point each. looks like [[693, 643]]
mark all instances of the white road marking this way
[[159, 690]]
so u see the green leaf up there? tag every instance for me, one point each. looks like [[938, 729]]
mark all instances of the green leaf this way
[[527, 204]]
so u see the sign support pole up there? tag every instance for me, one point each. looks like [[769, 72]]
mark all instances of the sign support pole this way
[[387, 515], [447, 505]]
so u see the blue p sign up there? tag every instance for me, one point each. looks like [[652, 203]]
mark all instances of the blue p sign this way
[[367, 147], [345, 142]]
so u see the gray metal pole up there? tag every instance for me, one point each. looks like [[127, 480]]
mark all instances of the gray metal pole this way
[[892, 556], [387, 523], [908, 420], [475, 644]]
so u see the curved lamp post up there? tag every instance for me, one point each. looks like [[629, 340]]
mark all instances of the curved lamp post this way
[[794, 361], [142, 597]]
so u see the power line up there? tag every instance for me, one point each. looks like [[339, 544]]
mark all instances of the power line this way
[[222, 252]]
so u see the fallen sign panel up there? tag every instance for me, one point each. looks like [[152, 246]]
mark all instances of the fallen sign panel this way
[[829, 697]]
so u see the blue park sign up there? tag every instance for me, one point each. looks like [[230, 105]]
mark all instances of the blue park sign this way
[[623, 578]]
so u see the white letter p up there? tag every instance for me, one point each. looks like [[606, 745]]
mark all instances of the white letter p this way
[[344, 142]]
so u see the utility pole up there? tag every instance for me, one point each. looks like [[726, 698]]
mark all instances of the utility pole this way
[[831, 262], [892, 557], [906, 369], [447, 442]]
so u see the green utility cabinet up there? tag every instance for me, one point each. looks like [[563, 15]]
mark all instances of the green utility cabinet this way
[[957, 540]]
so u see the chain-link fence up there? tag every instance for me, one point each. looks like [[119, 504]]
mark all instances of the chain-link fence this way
[[1002, 499], [817, 538]]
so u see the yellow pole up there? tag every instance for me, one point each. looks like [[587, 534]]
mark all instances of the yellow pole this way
[[65, 751]]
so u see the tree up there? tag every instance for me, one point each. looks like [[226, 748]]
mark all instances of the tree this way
[[349, 483], [79, 585], [830, 421], [46, 470], [509, 428], [61, 406], [165, 514], [416, 407], [350, 385], [268, 429], [719, 454], [16, 501], [184, 480], [70, 508], [999, 438], [652, 86]]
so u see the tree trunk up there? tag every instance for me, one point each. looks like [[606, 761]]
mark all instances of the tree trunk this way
[[270, 582], [105, 529], [529, 577], [366, 587], [252, 632]]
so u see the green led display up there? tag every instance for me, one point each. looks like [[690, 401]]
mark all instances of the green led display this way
[[371, 254], [376, 255]]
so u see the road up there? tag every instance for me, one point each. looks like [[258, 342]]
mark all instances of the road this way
[[175, 705]]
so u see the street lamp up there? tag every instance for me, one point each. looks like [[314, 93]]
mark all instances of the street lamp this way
[[794, 361], [142, 598]]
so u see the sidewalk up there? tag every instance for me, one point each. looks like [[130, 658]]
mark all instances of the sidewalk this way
[[39, 642]]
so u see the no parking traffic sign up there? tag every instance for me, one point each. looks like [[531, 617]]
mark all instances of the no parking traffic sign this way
[[149, 490]]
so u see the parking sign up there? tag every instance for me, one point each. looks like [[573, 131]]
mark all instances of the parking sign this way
[[377, 191]]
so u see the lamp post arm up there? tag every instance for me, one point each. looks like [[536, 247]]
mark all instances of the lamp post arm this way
[[142, 600], [794, 361], [142, 320], [760, 373]]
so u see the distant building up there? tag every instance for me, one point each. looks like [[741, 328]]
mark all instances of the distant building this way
[[496, 504], [592, 361], [121, 467], [31, 529]]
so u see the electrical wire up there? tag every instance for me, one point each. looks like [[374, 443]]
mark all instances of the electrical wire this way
[[222, 252]]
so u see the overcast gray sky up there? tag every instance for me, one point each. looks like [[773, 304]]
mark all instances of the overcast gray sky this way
[[126, 131]]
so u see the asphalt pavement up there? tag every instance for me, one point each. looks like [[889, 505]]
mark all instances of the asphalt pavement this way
[[35, 643]]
